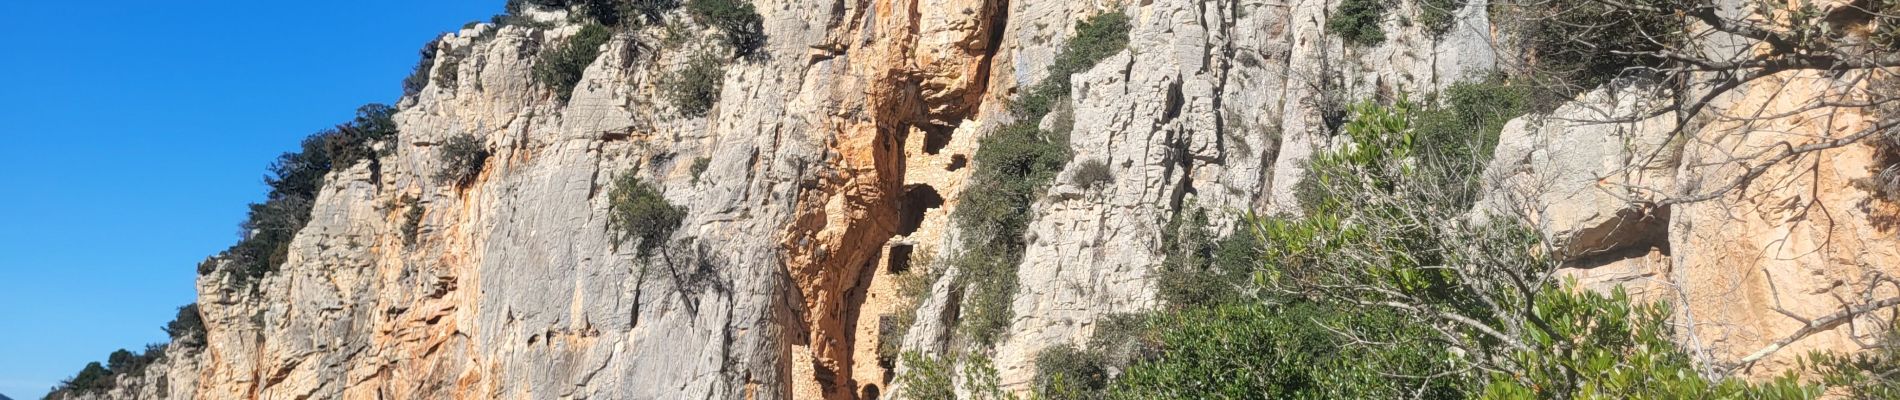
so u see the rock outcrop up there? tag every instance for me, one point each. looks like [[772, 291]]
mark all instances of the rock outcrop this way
[[848, 139]]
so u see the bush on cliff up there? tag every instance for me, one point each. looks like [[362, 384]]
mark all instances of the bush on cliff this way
[[738, 22], [1357, 22], [694, 89], [188, 328], [562, 65], [462, 158], [639, 214]]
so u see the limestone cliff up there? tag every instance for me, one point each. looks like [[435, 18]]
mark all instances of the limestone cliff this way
[[848, 140]]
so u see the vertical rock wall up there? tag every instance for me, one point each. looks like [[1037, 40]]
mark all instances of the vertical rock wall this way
[[850, 138]]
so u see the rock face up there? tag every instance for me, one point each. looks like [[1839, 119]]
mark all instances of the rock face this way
[[850, 138]]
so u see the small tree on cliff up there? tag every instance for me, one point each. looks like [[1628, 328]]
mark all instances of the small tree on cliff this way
[[640, 214]]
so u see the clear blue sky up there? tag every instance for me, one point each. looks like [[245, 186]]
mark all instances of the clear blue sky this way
[[133, 133]]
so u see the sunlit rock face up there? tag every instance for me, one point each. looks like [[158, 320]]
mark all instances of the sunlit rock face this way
[[850, 137]]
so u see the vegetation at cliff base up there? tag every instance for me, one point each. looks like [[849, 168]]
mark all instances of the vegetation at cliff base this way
[[95, 379], [1379, 290]]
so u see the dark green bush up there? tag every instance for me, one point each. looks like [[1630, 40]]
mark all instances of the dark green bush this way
[[124, 362], [1067, 372], [1439, 16], [1200, 269], [1013, 167], [694, 89], [419, 77], [462, 158], [92, 379], [356, 141], [562, 65], [1357, 22], [699, 168], [650, 11], [927, 378], [640, 214], [1091, 172], [1871, 374], [188, 328], [738, 22], [1291, 351]]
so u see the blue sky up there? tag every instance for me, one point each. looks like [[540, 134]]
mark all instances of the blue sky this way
[[132, 134]]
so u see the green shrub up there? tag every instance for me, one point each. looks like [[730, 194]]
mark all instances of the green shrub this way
[[1439, 16], [419, 77], [126, 363], [357, 140], [188, 328], [639, 213], [562, 66], [650, 11], [1200, 269], [1606, 347], [1091, 172], [699, 168], [1013, 167], [92, 379], [1870, 374], [927, 378], [1067, 372], [1357, 22], [462, 158], [1292, 351], [738, 22], [694, 89]]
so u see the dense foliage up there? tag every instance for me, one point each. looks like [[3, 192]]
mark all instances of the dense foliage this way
[[694, 89], [1439, 16], [638, 213], [462, 158], [738, 22], [1349, 299], [1357, 22], [188, 328], [561, 66]]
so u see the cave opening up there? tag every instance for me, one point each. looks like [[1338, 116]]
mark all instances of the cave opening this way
[[936, 137], [899, 259], [918, 199]]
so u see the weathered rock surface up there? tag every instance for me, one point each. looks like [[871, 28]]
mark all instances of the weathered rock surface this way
[[851, 137]]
